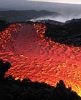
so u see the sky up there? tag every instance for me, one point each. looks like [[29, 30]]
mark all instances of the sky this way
[[35, 4], [58, 1], [62, 1]]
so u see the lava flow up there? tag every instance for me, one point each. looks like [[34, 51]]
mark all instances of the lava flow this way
[[38, 58]]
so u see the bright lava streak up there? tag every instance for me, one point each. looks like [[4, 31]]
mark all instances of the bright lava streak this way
[[38, 58]]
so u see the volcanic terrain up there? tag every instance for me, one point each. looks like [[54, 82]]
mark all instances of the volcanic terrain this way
[[38, 58]]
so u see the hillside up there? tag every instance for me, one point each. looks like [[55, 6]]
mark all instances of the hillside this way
[[24, 15], [68, 33]]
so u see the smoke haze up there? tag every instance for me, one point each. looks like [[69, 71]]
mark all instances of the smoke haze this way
[[60, 18]]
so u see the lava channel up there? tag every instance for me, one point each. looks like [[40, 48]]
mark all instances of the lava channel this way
[[38, 58]]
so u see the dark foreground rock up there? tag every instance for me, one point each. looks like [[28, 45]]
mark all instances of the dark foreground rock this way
[[11, 89]]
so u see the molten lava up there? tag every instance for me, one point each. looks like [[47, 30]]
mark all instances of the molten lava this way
[[38, 58]]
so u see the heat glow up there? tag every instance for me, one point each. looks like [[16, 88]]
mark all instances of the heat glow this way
[[38, 58]]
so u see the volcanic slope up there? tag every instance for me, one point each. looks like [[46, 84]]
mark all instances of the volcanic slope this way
[[38, 58]]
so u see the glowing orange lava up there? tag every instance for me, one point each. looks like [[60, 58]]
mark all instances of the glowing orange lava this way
[[38, 58]]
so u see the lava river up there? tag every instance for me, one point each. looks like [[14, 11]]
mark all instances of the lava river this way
[[38, 58]]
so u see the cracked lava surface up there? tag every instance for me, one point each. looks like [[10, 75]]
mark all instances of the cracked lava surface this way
[[38, 58]]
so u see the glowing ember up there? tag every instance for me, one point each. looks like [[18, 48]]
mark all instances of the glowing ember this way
[[38, 58]]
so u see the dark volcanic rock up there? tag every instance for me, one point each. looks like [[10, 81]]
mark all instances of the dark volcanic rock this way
[[3, 24], [68, 33], [26, 90]]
